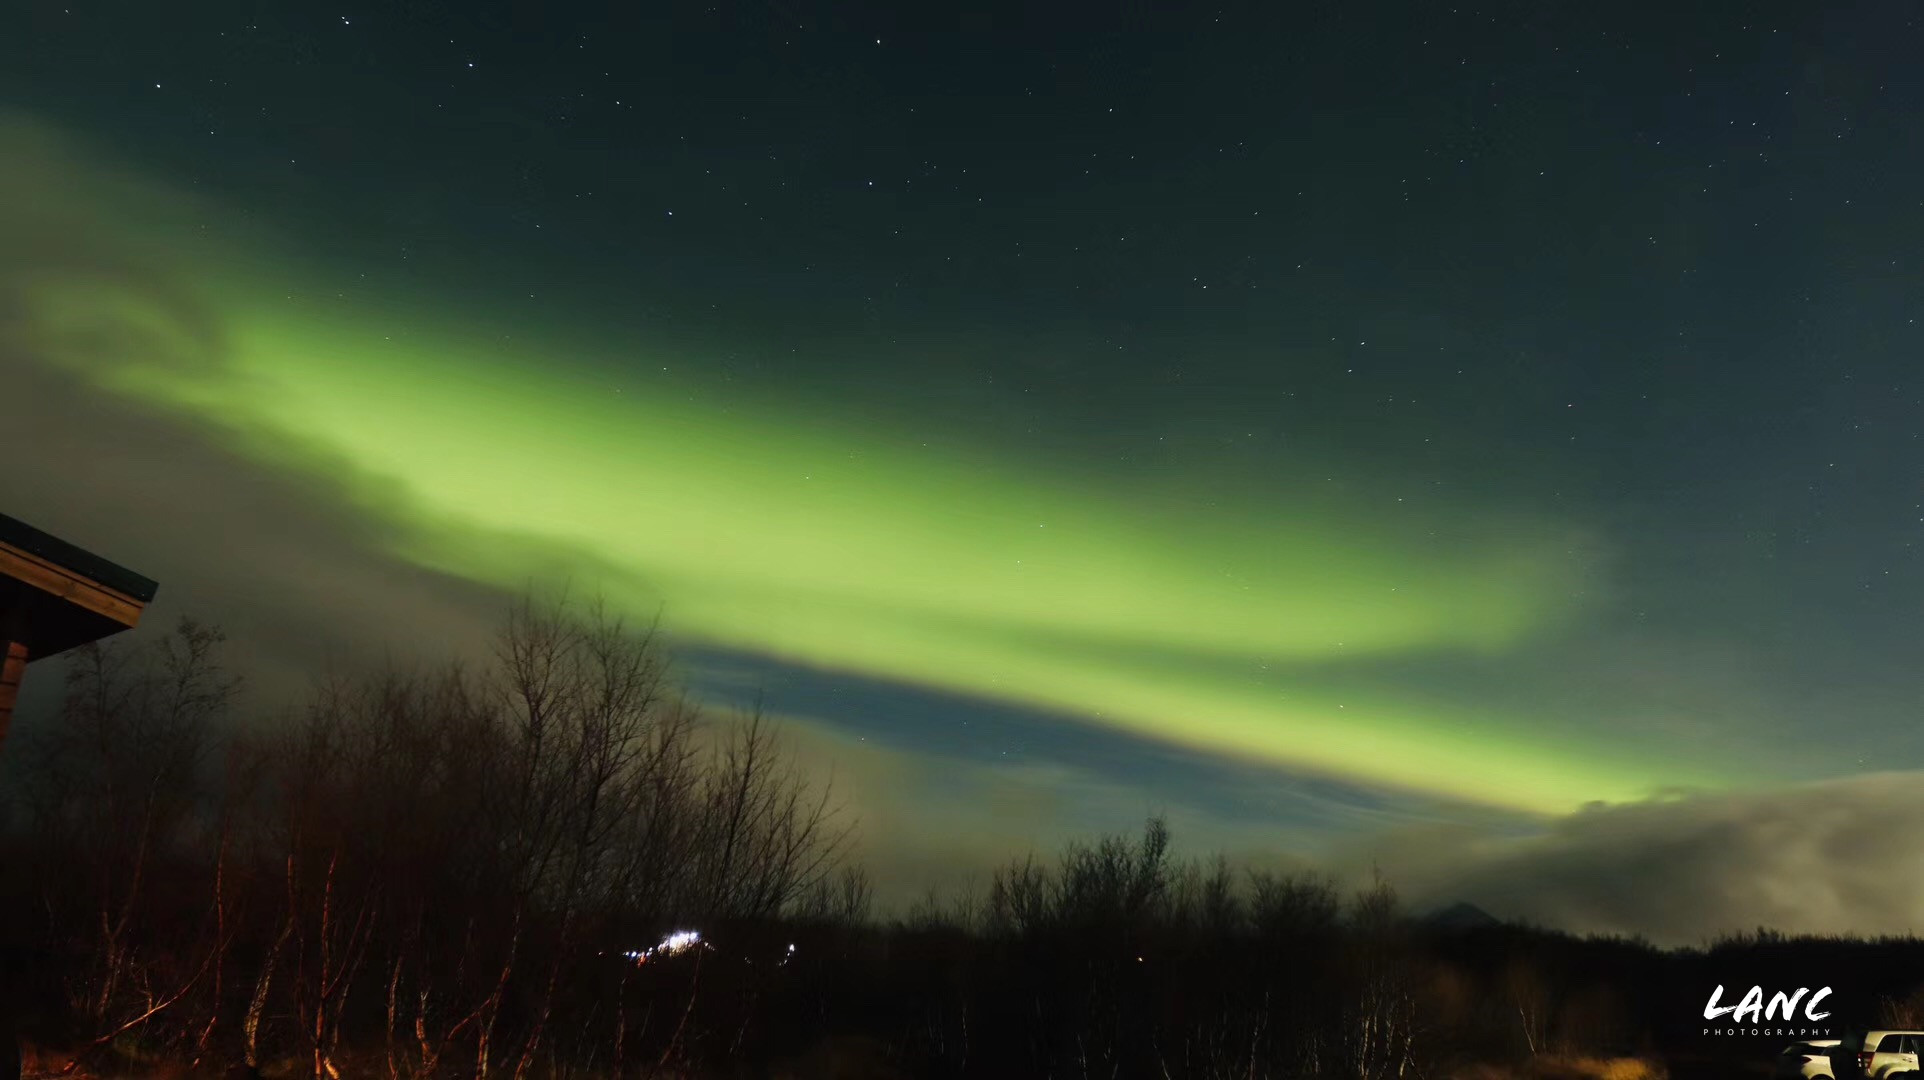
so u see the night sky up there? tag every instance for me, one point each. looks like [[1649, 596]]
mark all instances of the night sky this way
[[1482, 441]]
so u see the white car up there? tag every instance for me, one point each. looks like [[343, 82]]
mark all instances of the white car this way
[[1807, 1060], [1876, 1055]]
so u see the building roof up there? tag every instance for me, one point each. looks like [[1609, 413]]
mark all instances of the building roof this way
[[21, 535]]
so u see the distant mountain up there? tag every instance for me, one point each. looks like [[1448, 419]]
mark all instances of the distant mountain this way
[[1461, 915]]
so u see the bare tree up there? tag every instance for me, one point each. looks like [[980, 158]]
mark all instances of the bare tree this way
[[1530, 999], [766, 834], [1378, 1032], [844, 898], [434, 866], [121, 791]]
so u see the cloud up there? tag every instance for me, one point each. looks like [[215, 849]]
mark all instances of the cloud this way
[[1830, 857], [97, 270], [1822, 858], [299, 581]]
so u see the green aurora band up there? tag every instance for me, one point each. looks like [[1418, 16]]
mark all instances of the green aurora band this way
[[803, 535]]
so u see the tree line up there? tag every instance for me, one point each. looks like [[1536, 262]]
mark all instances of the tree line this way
[[553, 864]]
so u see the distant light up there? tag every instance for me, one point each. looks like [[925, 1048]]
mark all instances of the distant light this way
[[678, 942]]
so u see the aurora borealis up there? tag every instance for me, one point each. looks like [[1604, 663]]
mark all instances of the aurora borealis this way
[[870, 552], [1452, 415]]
